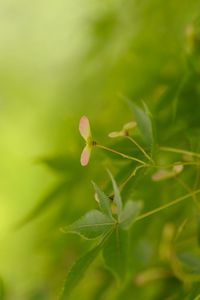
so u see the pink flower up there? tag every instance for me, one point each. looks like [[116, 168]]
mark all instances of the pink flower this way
[[124, 131], [84, 128]]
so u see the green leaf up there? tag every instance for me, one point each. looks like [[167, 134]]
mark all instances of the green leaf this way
[[115, 252], [2, 292], [144, 123], [104, 201], [117, 196], [91, 225], [45, 202], [130, 212], [195, 293], [79, 268], [60, 163], [190, 263]]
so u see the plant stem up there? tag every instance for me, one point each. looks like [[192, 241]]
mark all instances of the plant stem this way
[[131, 176], [180, 151], [151, 212], [139, 147], [187, 188], [121, 154]]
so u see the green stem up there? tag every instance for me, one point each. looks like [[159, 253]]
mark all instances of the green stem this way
[[139, 147], [131, 176], [151, 212], [176, 163], [180, 151], [188, 189], [121, 154]]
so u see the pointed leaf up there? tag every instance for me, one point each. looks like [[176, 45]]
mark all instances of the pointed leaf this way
[[144, 123], [91, 225], [79, 268], [117, 196], [115, 252], [104, 201], [130, 212], [45, 202]]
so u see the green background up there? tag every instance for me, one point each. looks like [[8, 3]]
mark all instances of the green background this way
[[63, 59]]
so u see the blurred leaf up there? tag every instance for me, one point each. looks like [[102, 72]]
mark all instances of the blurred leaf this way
[[115, 252], [91, 225], [144, 122], [130, 212], [46, 201], [117, 196], [198, 229], [195, 293], [62, 164], [2, 290], [190, 263], [79, 268], [104, 201]]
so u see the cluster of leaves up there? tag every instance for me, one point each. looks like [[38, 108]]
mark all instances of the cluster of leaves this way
[[112, 231], [164, 256], [110, 224]]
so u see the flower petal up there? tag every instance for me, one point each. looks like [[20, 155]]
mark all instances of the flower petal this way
[[85, 155], [84, 128], [116, 134], [130, 125]]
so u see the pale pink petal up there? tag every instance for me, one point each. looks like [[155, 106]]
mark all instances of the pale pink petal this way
[[84, 128], [130, 125], [178, 168], [85, 156], [162, 175], [115, 134]]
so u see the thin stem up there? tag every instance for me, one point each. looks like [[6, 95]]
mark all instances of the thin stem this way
[[121, 154], [139, 147], [177, 163], [180, 151], [133, 173], [151, 212], [131, 176], [197, 177], [187, 188]]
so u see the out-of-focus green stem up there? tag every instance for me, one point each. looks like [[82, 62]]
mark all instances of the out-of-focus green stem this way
[[121, 154], [160, 208]]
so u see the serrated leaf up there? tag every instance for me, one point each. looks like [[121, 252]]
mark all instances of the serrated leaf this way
[[104, 201], [117, 196], [115, 252], [144, 123], [80, 267], [130, 212], [91, 225]]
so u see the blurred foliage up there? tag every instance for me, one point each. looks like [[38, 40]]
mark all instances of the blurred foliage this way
[[65, 59]]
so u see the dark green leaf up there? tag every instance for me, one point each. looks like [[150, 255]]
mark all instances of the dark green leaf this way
[[91, 225], [115, 252], [130, 212], [117, 196], [144, 122], [79, 268], [104, 201]]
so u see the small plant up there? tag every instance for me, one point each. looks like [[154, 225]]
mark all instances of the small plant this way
[[109, 224]]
